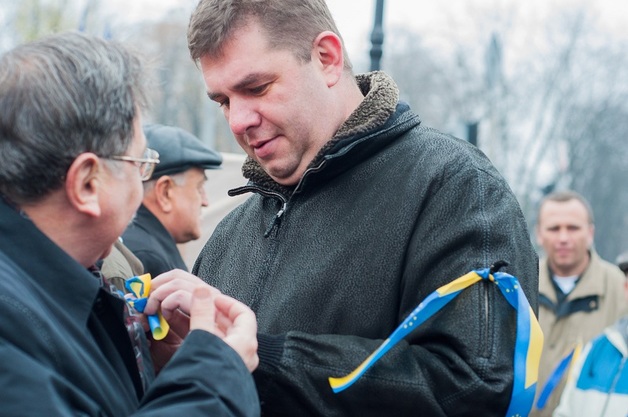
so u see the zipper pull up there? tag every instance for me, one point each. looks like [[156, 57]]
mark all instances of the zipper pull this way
[[276, 220]]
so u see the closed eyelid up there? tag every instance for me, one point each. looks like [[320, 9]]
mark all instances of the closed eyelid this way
[[215, 96]]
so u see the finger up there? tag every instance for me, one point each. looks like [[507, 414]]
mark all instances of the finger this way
[[237, 312], [170, 285], [179, 300], [177, 275], [169, 276], [223, 324], [202, 310], [179, 323]]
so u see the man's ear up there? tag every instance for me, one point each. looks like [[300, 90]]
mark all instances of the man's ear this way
[[327, 50], [83, 183], [163, 193]]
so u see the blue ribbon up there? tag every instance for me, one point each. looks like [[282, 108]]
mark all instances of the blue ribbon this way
[[556, 376], [528, 345]]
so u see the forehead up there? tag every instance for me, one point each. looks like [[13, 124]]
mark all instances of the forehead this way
[[245, 55], [563, 212]]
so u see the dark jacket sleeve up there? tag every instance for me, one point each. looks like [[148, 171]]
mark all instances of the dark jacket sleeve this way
[[459, 363], [204, 378]]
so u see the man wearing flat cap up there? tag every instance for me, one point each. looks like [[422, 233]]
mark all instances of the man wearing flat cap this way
[[173, 197]]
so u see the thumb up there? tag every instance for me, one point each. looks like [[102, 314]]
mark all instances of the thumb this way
[[202, 310]]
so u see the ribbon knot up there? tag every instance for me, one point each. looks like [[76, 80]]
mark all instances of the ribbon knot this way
[[139, 289]]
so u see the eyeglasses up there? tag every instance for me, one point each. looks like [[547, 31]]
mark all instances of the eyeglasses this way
[[146, 163]]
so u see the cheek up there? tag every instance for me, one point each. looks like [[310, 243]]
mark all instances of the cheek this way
[[241, 140], [137, 196]]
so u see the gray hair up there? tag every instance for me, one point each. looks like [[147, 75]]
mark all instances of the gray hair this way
[[179, 178], [61, 96], [289, 24]]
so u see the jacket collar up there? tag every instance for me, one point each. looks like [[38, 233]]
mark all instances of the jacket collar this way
[[618, 335], [146, 220], [48, 266], [151, 225], [589, 283]]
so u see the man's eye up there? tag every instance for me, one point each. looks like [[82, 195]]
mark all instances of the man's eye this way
[[259, 90]]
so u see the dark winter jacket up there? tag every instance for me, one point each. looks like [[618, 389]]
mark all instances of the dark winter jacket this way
[[65, 350], [387, 212], [149, 240]]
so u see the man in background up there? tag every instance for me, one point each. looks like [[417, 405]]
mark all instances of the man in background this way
[[174, 195], [579, 292]]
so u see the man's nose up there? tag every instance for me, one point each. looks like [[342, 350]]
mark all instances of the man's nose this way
[[563, 234], [204, 199], [242, 116]]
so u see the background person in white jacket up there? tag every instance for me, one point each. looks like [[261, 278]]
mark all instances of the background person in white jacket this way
[[598, 382]]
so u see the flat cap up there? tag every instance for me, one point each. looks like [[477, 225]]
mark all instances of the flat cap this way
[[178, 150]]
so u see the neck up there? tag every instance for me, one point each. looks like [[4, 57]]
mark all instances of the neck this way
[[54, 217]]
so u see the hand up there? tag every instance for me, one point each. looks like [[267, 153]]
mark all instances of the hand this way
[[234, 323], [188, 303]]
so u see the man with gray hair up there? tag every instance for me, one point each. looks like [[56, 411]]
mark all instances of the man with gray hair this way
[[357, 213], [174, 195], [72, 160]]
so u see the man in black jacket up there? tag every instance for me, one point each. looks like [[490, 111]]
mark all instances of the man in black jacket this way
[[174, 195], [72, 160], [357, 213]]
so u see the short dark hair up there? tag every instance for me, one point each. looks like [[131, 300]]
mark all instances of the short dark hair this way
[[61, 96], [564, 196], [289, 24]]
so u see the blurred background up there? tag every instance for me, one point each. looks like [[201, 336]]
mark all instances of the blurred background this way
[[540, 86]]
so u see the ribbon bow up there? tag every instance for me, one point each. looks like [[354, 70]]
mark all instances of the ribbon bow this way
[[139, 287], [528, 346]]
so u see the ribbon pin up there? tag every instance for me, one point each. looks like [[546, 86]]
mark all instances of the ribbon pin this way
[[139, 287]]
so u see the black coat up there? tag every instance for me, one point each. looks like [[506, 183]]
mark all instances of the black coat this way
[[149, 240], [65, 351], [388, 212]]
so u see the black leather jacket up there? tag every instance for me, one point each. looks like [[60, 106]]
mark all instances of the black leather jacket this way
[[388, 212]]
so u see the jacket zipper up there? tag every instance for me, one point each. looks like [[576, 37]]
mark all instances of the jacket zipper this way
[[276, 220], [613, 385]]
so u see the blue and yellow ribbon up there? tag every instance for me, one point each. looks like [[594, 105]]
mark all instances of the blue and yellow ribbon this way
[[528, 346], [139, 287], [557, 375]]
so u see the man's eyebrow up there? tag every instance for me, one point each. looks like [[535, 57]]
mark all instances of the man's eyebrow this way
[[242, 84], [252, 78]]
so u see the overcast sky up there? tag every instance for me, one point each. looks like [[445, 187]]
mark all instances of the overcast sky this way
[[355, 17]]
